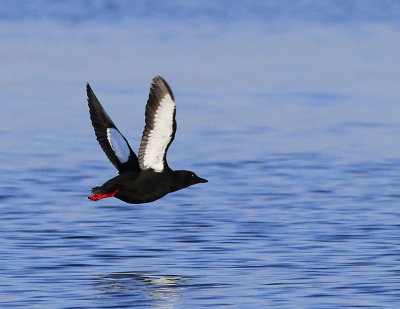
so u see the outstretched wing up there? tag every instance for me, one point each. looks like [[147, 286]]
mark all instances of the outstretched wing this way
[[113, 143], [160, 128]]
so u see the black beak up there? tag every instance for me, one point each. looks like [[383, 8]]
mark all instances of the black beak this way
[[201, 180]]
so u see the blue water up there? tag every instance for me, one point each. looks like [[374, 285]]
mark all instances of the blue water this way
[[290, 110]]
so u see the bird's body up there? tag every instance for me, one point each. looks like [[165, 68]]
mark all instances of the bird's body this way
[[148, 177]]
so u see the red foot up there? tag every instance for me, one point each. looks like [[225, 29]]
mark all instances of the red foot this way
[[99, 196]]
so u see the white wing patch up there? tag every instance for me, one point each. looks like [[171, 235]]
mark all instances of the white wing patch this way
[[118, 144], [158, 138]]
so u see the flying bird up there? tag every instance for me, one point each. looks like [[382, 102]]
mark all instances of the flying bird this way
[[146, 177]]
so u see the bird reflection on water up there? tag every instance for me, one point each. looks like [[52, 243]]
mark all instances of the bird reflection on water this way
[[161, 291]]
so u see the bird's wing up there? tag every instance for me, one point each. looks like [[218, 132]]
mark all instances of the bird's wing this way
[[160, 128], [113, 143]]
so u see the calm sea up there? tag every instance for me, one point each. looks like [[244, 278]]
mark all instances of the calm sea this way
[[290, 110]]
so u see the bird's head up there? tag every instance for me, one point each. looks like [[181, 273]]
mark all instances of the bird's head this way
[[187, 178]]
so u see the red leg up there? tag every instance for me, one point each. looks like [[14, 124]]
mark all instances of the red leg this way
[[99, 196]]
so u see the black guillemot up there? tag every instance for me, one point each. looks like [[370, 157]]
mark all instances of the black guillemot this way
[[147, 177]]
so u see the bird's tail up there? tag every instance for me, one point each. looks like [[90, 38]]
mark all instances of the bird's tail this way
[[97, 190]]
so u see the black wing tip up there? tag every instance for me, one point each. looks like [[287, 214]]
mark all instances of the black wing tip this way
[[91, 97], [158, 78], [159, 81], [88, 88], [161, 84]]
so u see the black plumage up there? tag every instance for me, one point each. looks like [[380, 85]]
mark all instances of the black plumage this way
[[148, 177]]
